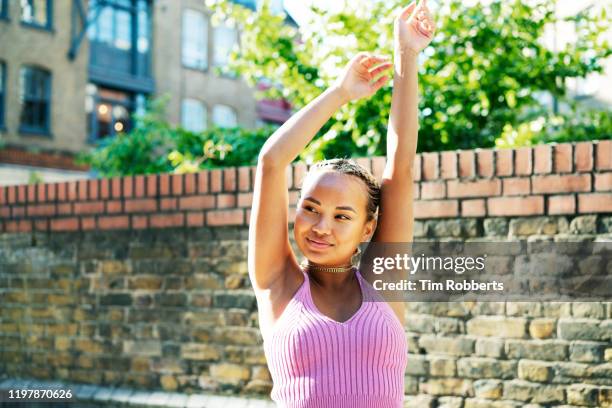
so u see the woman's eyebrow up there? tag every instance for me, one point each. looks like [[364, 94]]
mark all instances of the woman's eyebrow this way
[[346, 207], [317, 202]]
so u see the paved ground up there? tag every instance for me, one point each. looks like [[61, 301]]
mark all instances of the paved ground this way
[[86, 396]]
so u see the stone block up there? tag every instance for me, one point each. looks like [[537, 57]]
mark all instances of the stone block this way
[[450, 402], [456, 346], [570, 371], [490, 389], [587, 351], [116, 299], [442, 366], [485, 403], [421, 401], [593, 310], [201, 352], [490, 347], [483, 367], [411, 385], [245, 300], [145, 282], [171, 299], [531, 392], [420, 323], [259, 387], [497, 326], [230, 372], [526, 309], [579, 329], [114, 267], [448, 325], [533, 226], [254, 355], [447, 386], [150, 348], [238, 335], [496, 227], [584, 224], [582, 394], [168, 382], [548, 350], [542, 328], [417, 366], [535, 371], [556, 309]]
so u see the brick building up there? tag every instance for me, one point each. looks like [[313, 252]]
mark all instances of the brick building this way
[[72, 73]]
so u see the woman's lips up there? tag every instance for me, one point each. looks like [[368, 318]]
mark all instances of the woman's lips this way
[[318, 244]]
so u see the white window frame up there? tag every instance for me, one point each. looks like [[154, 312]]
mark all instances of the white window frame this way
[[189, 111], [194, 39], [221, 113], [225, 39]]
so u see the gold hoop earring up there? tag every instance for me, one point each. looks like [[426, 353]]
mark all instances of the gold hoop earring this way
[[355, 257]]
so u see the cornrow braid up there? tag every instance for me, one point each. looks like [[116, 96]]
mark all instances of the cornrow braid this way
[[350, 167]]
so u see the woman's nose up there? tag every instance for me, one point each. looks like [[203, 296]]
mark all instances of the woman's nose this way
[[321, 226]]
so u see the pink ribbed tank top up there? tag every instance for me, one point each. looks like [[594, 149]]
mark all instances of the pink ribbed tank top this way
[[317, 362]]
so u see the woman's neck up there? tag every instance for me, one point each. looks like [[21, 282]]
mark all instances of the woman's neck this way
[[332, 281]]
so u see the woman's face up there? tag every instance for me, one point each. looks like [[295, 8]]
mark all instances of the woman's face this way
[[330, 220]]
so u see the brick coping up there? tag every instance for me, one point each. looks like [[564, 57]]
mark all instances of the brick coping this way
[[557, 179], [128, 397]]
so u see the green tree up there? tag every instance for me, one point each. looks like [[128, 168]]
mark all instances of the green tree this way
[[480, 75], [155, 146]]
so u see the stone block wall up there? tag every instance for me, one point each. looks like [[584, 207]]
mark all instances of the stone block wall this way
[[141, 281]]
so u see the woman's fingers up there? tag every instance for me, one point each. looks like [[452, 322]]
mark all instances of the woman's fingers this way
[[406, 12], [372, 60], [379, 84], [423, 19], [381, 68], [361, 56]]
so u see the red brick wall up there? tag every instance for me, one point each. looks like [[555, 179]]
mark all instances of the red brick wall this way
[[543, 180]]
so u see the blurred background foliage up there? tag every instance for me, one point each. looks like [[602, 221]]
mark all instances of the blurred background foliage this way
[[479, 84], [155, 146]]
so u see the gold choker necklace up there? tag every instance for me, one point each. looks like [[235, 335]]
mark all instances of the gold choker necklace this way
[[307, 266], [320, 268]]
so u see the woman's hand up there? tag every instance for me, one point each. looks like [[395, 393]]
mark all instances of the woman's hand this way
[[414, 27], [361, 76]]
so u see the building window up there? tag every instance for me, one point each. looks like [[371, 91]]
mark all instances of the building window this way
[[113, 26], [109, 112], [224, 116], [120, 35], [35, 98], [2, 82], [37, 13], [193, 115], [4, 9], [252, 4], [226, 39], [195, 39]]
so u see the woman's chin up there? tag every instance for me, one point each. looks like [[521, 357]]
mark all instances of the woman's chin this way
[[315, 257]]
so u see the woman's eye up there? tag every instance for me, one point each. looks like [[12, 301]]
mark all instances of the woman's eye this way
[[310, 209], [344, 217]]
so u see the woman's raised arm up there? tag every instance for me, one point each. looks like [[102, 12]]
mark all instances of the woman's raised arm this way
[[269, 251], [414, 29]]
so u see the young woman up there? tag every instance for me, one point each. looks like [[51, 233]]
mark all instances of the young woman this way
[[326, 342]]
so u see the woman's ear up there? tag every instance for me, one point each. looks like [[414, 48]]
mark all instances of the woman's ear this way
[[368, 229]]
